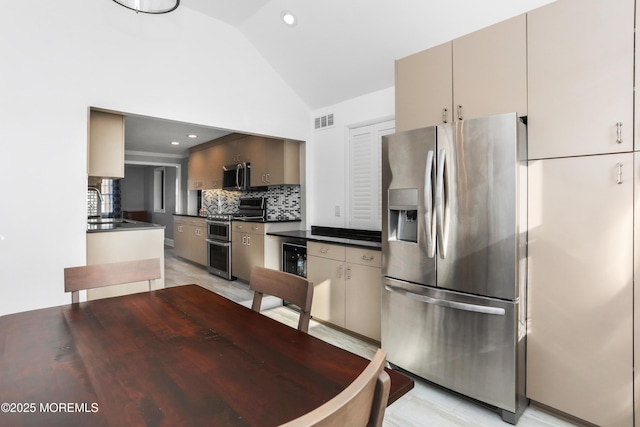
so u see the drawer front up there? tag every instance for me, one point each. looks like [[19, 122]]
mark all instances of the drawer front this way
[[362, 256], [198, 222], [249, 227], [325, 250]]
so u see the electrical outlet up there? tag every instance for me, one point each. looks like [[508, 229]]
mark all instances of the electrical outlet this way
[[337, 210]]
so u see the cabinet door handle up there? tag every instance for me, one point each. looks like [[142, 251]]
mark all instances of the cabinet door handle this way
[[444, 115], [340, 272], [268, 177], [619, 175], [459, 112], [619, 132], [367, 258], [323, 250], [244, 240], [348, 273]]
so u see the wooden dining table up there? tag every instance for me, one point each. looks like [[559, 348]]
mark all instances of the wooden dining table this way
[[179, 356]]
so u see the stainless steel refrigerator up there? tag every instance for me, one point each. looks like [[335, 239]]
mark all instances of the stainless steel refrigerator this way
[[454, 257]]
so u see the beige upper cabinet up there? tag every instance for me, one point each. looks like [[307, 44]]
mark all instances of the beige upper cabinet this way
[[490, 70], [273, 161], [423, 88], [580, 287], [106, 145], [197, 169], [213, 173], [234, 151], [580, 78], [481, 74]]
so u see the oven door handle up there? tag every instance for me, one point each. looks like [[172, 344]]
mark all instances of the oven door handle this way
[[217, 242], [215, 222]]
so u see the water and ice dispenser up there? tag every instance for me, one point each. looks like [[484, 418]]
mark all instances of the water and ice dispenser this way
[[403, 214]]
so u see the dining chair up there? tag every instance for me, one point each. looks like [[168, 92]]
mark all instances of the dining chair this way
[[361, 404], [99, 275], [289, 287]]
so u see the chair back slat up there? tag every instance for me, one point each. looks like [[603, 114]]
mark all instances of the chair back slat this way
[[117, 273], [361, 404], [289, 287]]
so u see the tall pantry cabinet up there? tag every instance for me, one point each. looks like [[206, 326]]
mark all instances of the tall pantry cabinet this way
[[579, 100], [580, 137]]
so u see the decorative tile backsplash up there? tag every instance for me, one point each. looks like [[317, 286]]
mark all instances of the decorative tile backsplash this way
[[283, 202]]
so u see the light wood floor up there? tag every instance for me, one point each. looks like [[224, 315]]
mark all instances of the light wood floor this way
[[425, 405]]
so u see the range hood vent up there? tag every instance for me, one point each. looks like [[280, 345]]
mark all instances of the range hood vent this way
[[323, 122]]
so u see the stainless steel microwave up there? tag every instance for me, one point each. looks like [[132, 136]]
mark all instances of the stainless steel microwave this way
[[236, 177]]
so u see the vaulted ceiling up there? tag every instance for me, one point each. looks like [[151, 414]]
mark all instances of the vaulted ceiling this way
[[339, 49]]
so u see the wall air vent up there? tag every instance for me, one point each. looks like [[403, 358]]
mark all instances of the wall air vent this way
[[323, 122]]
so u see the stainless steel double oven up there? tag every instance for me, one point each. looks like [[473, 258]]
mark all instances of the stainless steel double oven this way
[[219, 245], [219, 234]]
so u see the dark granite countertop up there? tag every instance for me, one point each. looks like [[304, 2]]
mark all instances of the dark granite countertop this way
[[246, 220], [267, 220], [340, 236], [111, 224]]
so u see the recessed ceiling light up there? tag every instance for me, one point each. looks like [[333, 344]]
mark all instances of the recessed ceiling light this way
[[289, 18], [175, 142], [192, 136]]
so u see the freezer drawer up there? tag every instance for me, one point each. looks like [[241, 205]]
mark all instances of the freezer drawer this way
[[462, 342]]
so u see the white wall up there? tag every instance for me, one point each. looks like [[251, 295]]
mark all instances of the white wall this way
[[59, 58], [327, 153]]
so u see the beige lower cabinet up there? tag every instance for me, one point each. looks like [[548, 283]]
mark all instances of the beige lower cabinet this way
[[117, 246], [247, 248], [580, 287], [180, 237], [326, 269], [347, 286], [189, 238]]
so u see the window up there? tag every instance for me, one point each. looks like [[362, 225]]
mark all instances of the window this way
[[158, 189], [110, 189], [365, 175]]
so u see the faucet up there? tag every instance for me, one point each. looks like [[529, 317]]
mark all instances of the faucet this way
[[99, 207], [97, 191]]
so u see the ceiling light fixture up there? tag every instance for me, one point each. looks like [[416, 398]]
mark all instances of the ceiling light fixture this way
[[192, 135], [289, 18], [150, 6], [175, 142]]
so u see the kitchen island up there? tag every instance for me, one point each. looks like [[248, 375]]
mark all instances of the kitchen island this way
[[114, 240]]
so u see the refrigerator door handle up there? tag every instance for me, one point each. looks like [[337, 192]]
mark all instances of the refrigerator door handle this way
[[442, 205], [446, 303], [429, 217]]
